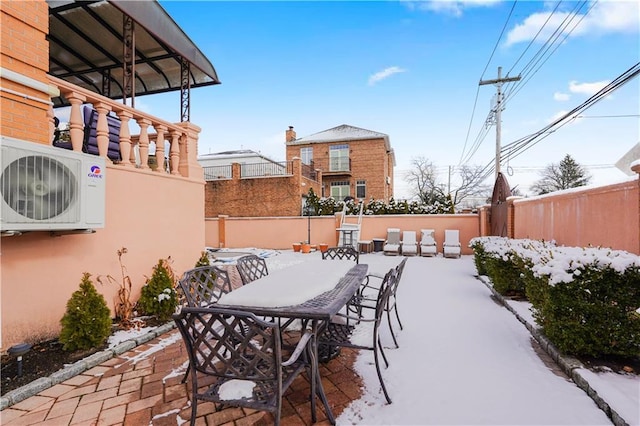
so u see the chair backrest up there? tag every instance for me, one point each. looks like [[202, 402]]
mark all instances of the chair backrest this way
[[409, 237], [251, 267], [451, 237], [427, 238], [393, 236], [204, 285], [343, 252], [234, 345], [90, 142], [399, 269], [384, 292]]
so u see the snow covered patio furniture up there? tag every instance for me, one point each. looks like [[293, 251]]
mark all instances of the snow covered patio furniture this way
[[251, 267], [409, 245], [204, 285], [451, 245], [428, 245], [236, 359], [339, 331], [392, 244], [347, 252]]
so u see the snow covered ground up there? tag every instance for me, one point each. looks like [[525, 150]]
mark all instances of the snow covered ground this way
[[464, 358]]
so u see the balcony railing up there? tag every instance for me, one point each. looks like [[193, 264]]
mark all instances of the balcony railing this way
[[134, 149], [284, 168], [218, 172]]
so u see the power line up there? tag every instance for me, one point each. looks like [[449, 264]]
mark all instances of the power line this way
[[475, 102]]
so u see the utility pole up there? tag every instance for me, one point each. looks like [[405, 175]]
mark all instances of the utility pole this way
[[498, 109]]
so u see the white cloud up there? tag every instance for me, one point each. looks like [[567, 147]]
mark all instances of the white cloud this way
[[561, 97], [587, 88], [448, 7], [606, 16], [385, 73]]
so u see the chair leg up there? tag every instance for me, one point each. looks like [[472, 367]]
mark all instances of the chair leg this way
[[384, 357], [395, 308], [377, 361], [186, 375], [194, 408], [393, 334]]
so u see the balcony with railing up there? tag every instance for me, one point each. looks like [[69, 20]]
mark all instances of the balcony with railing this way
[[169, 141]]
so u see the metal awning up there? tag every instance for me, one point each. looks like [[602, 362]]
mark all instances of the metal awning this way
[[87, 47]]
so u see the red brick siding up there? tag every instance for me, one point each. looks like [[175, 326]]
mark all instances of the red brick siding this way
[[24, 49], [369, 162]]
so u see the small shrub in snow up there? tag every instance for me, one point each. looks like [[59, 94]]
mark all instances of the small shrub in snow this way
[[158, 296], [86, 323]]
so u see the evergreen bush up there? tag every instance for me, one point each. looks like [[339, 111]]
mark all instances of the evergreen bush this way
[[87, 321], [158, 296], [203, 260]]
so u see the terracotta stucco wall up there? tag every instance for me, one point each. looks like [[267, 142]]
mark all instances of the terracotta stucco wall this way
[[25, 51], [153, 216], [281, 232], [606, 216], [369, 162]]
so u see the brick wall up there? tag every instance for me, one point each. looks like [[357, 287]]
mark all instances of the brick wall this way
[[258, 196], [369, 162], [24, 50]]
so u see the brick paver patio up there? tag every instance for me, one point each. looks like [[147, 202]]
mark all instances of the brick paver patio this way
[[142, 387]]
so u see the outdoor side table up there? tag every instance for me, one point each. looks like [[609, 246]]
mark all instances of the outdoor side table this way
[[365, 246]]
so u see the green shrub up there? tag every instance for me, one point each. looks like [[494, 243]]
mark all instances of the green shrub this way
[[87, 321], [506, 275], [479, 256], [158, 296], [204, 260], [592, 315]]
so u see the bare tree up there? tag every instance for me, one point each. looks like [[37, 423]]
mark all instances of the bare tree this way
[[424, 183], [471, 184], [422, 179], [563, 175]]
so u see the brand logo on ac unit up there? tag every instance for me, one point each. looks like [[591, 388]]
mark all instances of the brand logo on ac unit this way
[[96, 172]]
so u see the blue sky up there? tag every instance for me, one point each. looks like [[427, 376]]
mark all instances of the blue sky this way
[[411, 70]]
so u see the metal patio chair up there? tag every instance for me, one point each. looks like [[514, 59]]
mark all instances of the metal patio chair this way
[[201, 287], [251, 267], [204, 285], [370, 287], [343, 252], [236, 360], [339, 331]]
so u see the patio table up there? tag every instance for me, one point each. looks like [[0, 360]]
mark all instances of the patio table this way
[[312, 292]]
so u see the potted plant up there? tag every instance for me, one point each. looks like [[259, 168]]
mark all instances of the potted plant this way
[[305, 247], [323, 247], [296, 247]]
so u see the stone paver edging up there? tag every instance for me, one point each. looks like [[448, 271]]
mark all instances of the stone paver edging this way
[[569, 365], [78, 367]]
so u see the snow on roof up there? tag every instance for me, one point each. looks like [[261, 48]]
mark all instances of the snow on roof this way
[[343, 132]]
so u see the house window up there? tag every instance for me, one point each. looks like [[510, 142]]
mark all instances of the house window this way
[[339, 190], [338, 158], [361, 189], [306, 154]]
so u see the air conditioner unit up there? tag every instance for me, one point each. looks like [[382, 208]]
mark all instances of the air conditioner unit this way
[[48, 188]]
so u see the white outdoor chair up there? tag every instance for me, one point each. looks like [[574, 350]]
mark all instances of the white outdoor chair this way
[[428, 246], [409, 245], [451, 245], [392, 245]]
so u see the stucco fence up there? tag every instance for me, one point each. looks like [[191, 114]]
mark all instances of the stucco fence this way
[[281, 232]]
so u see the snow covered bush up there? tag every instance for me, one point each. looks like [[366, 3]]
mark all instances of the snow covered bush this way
[[585, 299], [158, 296]]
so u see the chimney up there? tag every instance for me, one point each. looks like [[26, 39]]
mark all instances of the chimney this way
[[290, 134]]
